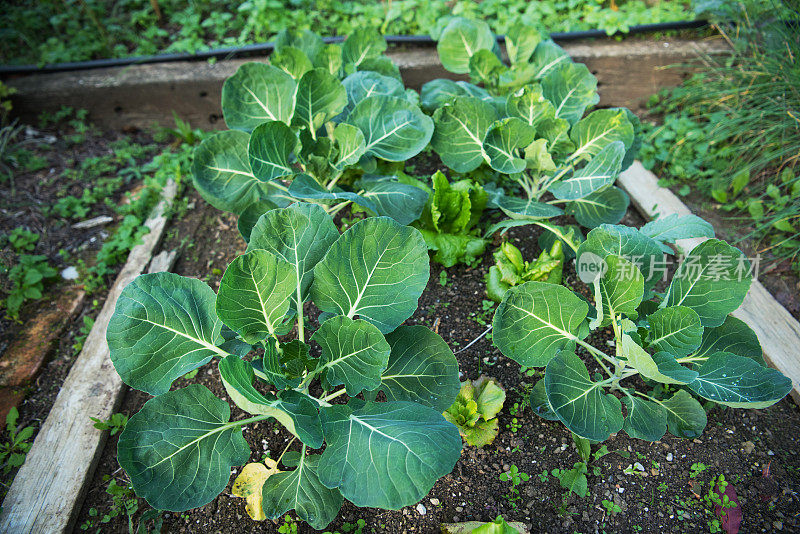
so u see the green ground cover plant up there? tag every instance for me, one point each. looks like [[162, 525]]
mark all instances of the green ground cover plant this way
[[366, 282], [510, 269], [49, 31], [732, 132]]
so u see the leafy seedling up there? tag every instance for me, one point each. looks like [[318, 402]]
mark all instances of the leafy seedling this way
[[475, 410]]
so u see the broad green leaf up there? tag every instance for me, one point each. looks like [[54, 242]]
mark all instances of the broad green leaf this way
[[164, 326], [547, 56], [645, 420], [520, 208], [571, 88], [222, 173], [249, 217], [386, 455], [362, 44], [686, 417], [485, 67], [629, 243], [300, 234], [257, 93], [579, 402], [461, 127], [460, 40], [394, 129], [382, 65], [270, 368], [305, 187], [291, 60], [295, 411], [713, 280], [271, 145], [607, 206], [330, 59], [530, 105], [669, 367], [350, 143], [354, 353], [673, 227], [255, 293], [301, 490], [521, 41], [675, 329], [364, 84], [555, 132], [739, 382], [538, 159], [320, 97], [600, 172], [438, 92], [402, 202], [307, 41], [539, 403], [536, 320], [731, 336], [376, 270], [489, 397], [662, 368], [421, 369], [179, 449], [504, 138], [599, 129], [622, 288]]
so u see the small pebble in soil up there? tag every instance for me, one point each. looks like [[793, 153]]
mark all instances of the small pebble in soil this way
[[434, 501], [421, 509], [669, 456]]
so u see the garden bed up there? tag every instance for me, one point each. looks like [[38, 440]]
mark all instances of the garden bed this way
[[736, 443]]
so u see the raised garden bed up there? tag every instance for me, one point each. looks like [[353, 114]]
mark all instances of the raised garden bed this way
[[639, 486]]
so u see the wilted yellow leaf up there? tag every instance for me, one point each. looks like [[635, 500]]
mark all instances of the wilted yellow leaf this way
[[249, 483]]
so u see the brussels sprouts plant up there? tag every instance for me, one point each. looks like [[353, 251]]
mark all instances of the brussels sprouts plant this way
[[312, 125], [670, 347], [179, 449], [528, 125]]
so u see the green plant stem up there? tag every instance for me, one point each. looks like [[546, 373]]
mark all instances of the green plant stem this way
[[285, 450], [300, 319], [558, 234], [334, 394]]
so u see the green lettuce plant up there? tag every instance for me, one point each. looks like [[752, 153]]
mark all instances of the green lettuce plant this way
[[475, 410], [449, 221], [510, 269], [528, 126], [313, 125], [179, 449], [682, 343]]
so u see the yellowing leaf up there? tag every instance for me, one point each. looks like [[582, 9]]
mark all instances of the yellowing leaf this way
[[249, 483]]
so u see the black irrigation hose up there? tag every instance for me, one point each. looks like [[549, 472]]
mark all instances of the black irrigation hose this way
[[260, 48]]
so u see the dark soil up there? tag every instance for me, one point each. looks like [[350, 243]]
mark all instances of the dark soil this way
[[35, 192], [777, 275], [737, 443]]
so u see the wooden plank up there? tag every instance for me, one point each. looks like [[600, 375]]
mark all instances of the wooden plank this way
[[49, 488], [776, 328], [140, 95]]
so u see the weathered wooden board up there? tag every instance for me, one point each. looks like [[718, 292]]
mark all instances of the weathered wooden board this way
[[628, 72], [49, 488], [776, 328]]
